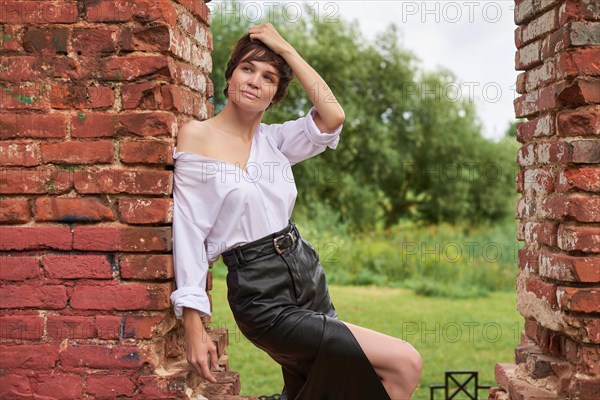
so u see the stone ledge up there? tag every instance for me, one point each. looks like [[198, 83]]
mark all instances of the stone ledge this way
[[517, 388]]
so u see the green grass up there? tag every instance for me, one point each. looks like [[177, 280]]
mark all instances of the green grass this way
[[450, 334]]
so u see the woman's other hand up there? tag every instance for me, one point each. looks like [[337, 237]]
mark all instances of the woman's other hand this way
[[200, 349], [267, 34]]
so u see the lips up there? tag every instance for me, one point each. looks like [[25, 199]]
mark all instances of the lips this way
[[250, 95]]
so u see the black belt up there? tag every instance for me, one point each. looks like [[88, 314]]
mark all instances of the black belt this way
[[275, 243]]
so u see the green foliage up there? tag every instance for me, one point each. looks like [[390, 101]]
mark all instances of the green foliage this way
[[411, 146], [448, 261]]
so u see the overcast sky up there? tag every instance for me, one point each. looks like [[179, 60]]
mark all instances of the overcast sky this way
[[473, 39]]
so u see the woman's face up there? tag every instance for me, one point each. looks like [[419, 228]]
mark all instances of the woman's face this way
[[253, 84]]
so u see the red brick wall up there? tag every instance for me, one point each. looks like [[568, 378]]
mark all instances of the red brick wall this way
[[92, 95], [558, 288]]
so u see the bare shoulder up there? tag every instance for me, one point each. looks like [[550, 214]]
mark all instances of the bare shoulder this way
[[193, 136]]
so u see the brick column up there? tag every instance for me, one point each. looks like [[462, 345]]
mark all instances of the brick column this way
[[92, 95], [558, 291]]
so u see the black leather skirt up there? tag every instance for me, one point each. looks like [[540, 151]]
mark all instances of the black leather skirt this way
[[280, 301]]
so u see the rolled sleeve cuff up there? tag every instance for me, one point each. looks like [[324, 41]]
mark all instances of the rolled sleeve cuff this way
[[192, 297], [329, 139]]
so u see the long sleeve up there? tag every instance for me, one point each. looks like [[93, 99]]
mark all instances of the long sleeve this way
[[195, 209], [300, 139]]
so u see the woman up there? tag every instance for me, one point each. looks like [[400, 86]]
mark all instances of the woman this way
[[233, 196]]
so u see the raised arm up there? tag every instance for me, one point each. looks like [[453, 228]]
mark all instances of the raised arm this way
[[330, 114]]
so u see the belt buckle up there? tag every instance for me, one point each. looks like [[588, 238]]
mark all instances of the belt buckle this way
[[276, 245]]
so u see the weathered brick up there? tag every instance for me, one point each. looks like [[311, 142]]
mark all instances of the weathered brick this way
[[526, 10], [586, 300], [580, 207], [585, 151], [33, 356], [91, 125], [153, 38], [541, 25], [585, 329], [60, 327], [196, 28], [100, 356], [583, 121], [540, 76], [23, 96], [15, 386], [123, 238], [72, 209], [95, 41], [537, 127], [574, 10], [35, 237], [30, 296], [146, 266], [20, 153], [578, 62], [528, 56], [147, 124], [583, 178], [37, 180], [542, 290], [76, 266], [143, 327], [58, 385], [68, 96], [539, 180], [18, 268], [108, 326], [117, 180], [21, 327], [565, 267], [131, 67], [144, 10], [541, 100], [37, 12], [541, 232], [136, 210], [583, 238], [46, 42], [162, 387], [14, 211], [20, 68], [100, 97], [10, 40], [528, 260], [555, 152], [102, 385], [526, 155], [146, 152], [579, 92], [121, 297], [33, 126], [78, 152]]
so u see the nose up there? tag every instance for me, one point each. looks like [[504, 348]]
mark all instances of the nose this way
[[253, 81]]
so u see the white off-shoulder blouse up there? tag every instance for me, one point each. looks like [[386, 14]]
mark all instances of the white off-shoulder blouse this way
[[217, 205]]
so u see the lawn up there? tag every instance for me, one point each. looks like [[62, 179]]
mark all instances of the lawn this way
[[450, 334]]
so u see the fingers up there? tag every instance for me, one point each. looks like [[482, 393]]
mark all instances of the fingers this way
[[202, 369], [214, 358], [206, 374]]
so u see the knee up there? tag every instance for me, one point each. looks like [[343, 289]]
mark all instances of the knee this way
[[411, 364]]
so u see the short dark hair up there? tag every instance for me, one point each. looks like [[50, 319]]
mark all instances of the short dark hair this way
[[255, 50]]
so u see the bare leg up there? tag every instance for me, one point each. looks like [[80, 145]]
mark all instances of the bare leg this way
[[397, 362]]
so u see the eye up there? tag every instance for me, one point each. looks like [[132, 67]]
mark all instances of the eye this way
[[269, 77]]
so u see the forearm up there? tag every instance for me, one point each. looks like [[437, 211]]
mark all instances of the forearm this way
[[317, 89], [192, 321]]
